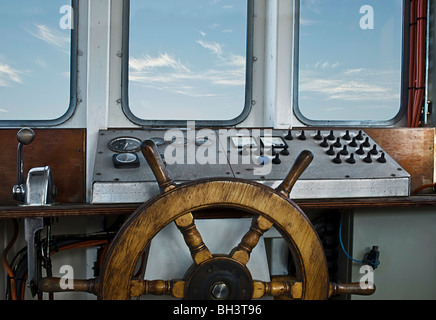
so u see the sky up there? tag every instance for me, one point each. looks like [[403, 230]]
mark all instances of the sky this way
[[34, 60], [350, 70], [187, 59]]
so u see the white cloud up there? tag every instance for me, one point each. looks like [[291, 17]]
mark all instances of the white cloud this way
[[346, 86], [162, 61], [326, 64], [3, 110], [214, 47], [8, 75], [51, 36]]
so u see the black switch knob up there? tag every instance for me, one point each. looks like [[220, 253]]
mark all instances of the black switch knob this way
[[353, 143], [374, 150], [331, 151], [338, 143], [360, 150], [331, 136], [337, 159], [318, 135], [368, 159], [285, 152], [347, 135], [366, 144], [324, 143], [359, 135], [302, 136], [277, 160], [344, 151], [289, 135], [382, 158], [351, 159]]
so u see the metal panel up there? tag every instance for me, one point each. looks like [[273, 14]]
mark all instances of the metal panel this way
[[324, 178]]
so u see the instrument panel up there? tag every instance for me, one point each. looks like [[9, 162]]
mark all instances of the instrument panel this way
[[347, 163]]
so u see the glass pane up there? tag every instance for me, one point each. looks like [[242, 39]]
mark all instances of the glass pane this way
[[34, 59], [187, 59], [350, 59]]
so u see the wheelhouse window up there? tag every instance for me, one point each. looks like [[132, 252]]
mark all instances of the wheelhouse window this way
[[350, 61], [35, 60], [187, 61]]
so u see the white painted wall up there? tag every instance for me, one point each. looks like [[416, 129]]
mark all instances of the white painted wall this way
[[406, 238]]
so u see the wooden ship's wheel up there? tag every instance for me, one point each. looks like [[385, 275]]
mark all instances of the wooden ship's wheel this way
[[215, 276]]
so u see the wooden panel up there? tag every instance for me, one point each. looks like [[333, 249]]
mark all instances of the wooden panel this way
[[412, 148], [61, 149]]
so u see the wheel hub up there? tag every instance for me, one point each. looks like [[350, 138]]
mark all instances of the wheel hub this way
[[220, 278]]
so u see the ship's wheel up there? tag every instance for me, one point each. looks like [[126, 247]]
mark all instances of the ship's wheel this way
[[216, 276]]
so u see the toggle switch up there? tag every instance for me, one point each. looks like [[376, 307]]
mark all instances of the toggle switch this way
[[324, 143], [351, 159], [285, 152], [353, 143], [382, 158], [337, 159], [368, 158], [302, 136], [374, 150], [318, 136], [331, 136], [331, 151], [289, 135], [276, 159], [347, 135]]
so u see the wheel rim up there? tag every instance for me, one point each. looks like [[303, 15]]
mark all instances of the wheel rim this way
[[152, 216]]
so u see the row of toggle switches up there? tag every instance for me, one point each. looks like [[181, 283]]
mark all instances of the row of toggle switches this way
[[343, 146]]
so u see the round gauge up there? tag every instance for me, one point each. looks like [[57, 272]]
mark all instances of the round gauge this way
[[125, 160], [124, 144], [158, 141], [126, 157]]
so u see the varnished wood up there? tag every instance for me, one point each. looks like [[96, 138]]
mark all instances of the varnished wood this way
[[350, 288], [151, 154], [53, 284], [242, 252], [61, 149], [412, 148], [198, 249], [301, 163], [141, 226], [173, 288], [84, 210]]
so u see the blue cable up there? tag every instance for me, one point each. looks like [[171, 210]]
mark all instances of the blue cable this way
[[342, 245]]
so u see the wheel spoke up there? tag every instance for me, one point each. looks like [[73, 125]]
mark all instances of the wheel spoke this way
[[193, 239], [242, 252], [173, 288], [291, 289]]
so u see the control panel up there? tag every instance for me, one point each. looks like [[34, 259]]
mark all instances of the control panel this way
[[347, 163]]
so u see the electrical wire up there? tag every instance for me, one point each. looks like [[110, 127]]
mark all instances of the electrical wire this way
[[6, 264], [342, 245], [418, 28]]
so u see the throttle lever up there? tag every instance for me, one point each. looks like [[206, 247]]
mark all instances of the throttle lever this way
[[25, 137], [39, 189]]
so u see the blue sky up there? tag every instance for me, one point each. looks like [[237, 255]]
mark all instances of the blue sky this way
[[187, 59], [34, 60], [346, 72]]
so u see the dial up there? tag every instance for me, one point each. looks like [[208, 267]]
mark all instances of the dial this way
[[124, 144], [125, 160]]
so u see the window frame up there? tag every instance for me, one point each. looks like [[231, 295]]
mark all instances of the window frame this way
[[402, 111], [176, 123], [73, 82]]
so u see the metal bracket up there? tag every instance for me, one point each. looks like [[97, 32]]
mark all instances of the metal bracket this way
[[31, 227]]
